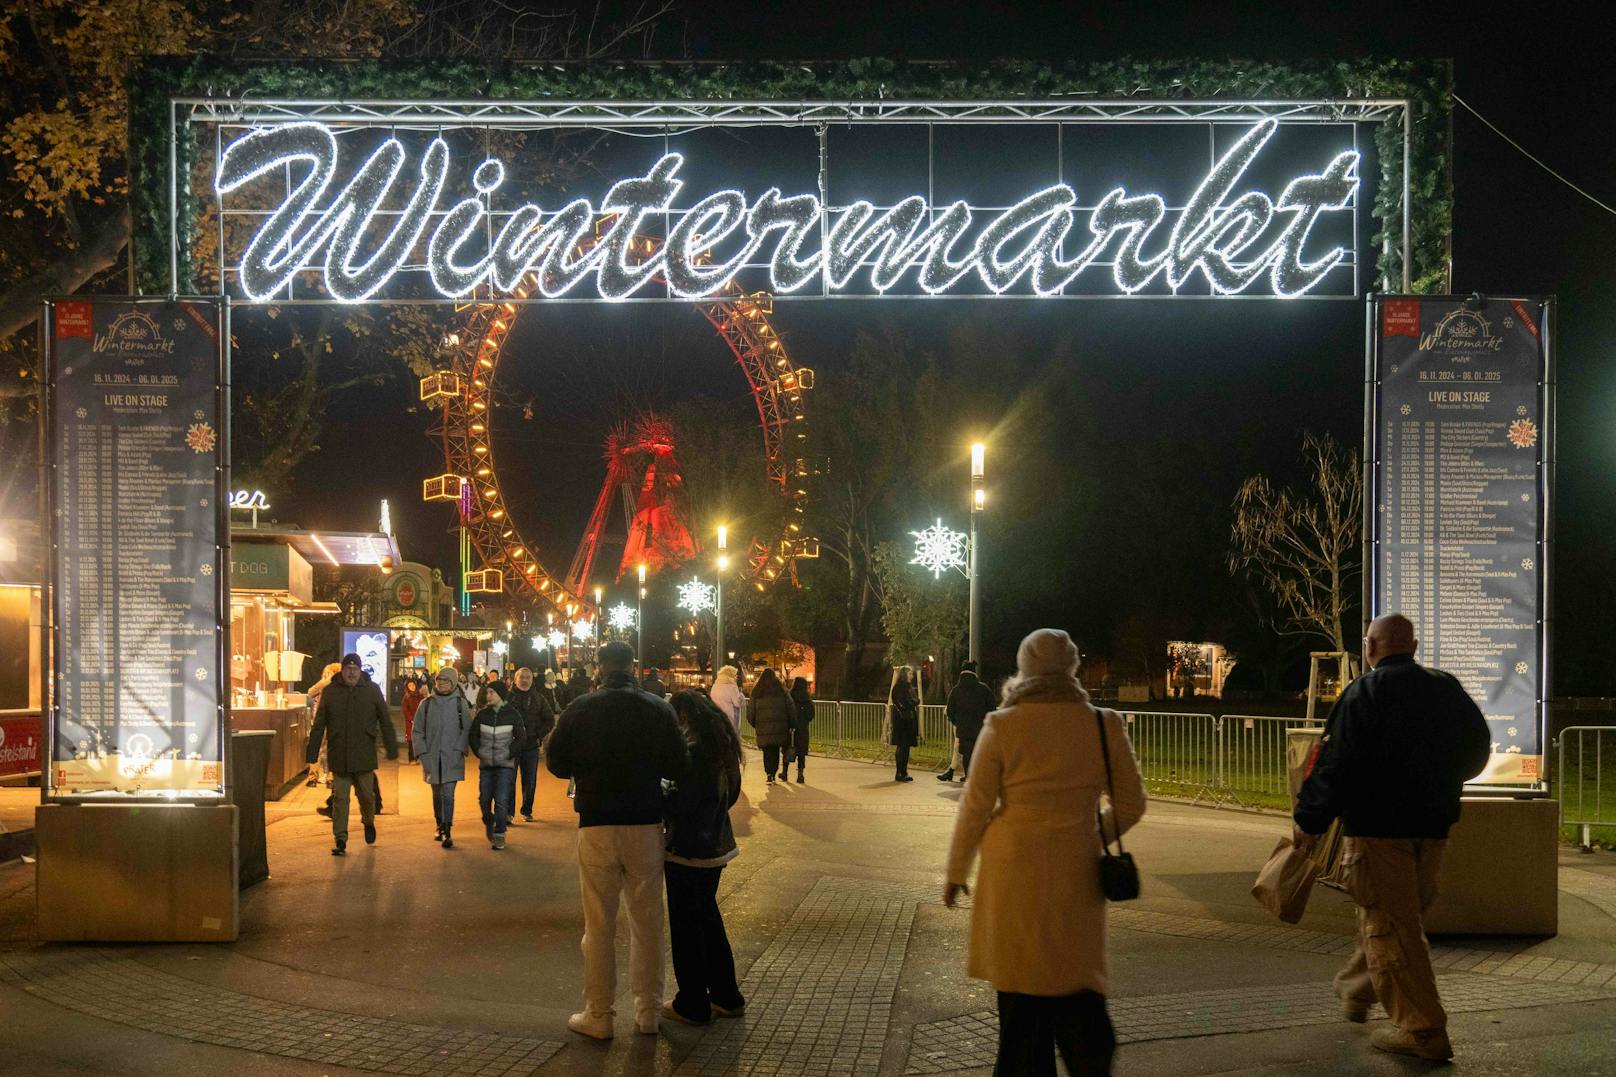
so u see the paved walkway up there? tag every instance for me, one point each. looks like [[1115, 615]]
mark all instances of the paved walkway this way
[[404, 958]]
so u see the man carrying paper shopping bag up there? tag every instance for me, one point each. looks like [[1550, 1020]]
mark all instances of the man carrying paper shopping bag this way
[[1400, 743]]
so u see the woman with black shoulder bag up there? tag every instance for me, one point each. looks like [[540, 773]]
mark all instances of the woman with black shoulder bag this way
[[1032, 807]]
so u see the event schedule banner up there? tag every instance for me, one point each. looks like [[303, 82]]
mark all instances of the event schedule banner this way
[[136, 454], [1461, 414]]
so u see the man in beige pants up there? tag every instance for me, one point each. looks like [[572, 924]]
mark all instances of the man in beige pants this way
[[619, 744], [1401, 742]]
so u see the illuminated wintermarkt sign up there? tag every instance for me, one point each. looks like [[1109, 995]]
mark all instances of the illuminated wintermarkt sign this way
[[350, 210]]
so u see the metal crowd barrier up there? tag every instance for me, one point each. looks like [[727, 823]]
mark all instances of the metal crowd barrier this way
[[1585, 779], [1238, 759]]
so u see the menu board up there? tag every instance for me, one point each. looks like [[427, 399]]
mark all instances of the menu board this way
[[1461, 424], [136, 495]]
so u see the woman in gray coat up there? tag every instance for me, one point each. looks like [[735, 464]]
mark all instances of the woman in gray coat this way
[[442, 724]]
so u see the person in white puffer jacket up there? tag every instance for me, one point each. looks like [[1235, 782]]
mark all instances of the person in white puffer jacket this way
[[727, 695]]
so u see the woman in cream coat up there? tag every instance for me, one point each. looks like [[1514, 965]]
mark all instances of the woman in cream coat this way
[[1032, 806]]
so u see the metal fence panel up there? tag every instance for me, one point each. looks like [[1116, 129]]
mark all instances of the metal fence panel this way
[[1585, 779], [1178, 753], [1252, 769]]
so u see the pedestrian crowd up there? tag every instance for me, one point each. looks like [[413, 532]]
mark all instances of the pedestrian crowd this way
[[1050, 783]]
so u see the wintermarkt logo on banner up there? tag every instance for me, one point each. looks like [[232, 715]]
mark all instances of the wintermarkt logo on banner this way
[[133, 333], [1461, 330]]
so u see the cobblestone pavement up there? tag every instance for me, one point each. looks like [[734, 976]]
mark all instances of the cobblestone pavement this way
[[819, 998], [970, 1041], [1455, 958], [127, 992]]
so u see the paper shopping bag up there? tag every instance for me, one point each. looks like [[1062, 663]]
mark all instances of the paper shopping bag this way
[[1284, 883]]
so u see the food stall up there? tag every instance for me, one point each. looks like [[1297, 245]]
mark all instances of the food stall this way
[[21, 657], [271, 584]]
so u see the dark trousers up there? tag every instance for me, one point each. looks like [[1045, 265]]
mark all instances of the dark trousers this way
[[966, 748], [799, 745], [496, 789], [703, 964], [771, 760], [903, 760], [1033, 1027], [443, 796], [528, 762]]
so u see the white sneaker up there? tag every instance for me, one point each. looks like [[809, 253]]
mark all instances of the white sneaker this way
[[596, 1026]]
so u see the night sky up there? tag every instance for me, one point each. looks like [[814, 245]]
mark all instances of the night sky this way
[[1226, 387]]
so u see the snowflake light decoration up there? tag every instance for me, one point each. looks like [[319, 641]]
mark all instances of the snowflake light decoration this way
[[201, 437], [558, 639], [620, 617], [937, 549], [696, 596], [500, 646], [583, 629]]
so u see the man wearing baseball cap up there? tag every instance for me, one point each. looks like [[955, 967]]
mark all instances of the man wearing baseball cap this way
[[351, 713]]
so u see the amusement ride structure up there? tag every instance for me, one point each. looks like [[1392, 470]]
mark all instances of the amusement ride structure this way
[[495, 558]]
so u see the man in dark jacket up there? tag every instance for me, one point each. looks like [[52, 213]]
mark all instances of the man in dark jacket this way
[[969, 705], [351, 714], [653, 684], [619, 743], [537, 719], [1401, 742]]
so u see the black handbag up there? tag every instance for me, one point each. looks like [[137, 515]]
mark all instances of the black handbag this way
[[1119, 876]]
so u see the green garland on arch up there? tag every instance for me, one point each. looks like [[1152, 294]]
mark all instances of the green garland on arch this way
[[1425, 84]]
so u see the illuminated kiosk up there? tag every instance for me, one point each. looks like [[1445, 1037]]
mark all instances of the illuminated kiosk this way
[[271, 585]]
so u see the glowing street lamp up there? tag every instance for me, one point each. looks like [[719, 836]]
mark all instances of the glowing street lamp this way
[[979, 500], [723, 567], [639, 624], [599, 594]]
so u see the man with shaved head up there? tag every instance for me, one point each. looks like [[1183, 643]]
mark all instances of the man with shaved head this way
[[1401, 742]]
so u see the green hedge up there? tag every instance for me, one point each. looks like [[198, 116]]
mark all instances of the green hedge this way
[[1427, 84]]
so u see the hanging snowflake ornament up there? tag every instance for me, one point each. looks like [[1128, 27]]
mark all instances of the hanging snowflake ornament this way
[[697, 597], [500, 646], [1523, 433], [583, 629], [201, 437], [557, 639], [937, 549], [620, 617]]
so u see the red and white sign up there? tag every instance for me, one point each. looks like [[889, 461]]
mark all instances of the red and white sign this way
[[20, 739], [1400, 318]]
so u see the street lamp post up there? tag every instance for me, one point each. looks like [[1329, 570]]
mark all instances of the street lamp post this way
[[978, 501], [723, 566], [599, 594], [639, 624]]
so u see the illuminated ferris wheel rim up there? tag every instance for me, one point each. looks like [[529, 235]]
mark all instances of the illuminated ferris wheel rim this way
[[471, 478]]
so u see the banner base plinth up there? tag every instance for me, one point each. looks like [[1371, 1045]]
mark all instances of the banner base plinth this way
[[136, 873], [1500, 875]]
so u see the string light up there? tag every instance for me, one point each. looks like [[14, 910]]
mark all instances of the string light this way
[[1215, 230]]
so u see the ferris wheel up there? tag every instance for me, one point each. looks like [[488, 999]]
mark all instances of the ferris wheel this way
[[496, 558]]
